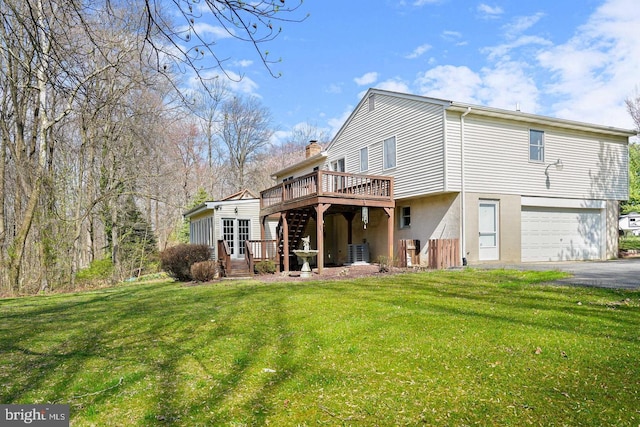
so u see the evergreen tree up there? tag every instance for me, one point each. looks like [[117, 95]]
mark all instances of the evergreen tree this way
[[199, 198], [137, 247]]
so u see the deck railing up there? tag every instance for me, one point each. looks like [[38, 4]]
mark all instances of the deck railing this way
[[261, 250], [328, 183], [224, 256]]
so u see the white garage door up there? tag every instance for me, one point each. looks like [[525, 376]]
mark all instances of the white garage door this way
[[560, 234]]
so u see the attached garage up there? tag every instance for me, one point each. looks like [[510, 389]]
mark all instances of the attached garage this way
[[551, 233]]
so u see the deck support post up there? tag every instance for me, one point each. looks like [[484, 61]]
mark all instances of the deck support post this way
[[390, 226], [321, 208], [285, 241], [349, 217]]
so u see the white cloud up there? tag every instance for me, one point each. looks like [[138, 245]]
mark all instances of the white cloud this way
[[334, 88], [497, 52], [203, 29], [451, 35], [423, 2], [243, 63], [585, 78], [237, 83], [521, 24], [337, 122], [417, 52], [450, 82], [490, 12], [502, 86], [394, 85], [596, 69], [366, 79], [507, 85]]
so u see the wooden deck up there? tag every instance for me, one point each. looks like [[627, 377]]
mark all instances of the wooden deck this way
[[335, 188]]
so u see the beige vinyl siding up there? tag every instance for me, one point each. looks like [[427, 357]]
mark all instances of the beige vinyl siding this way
[[246, 210], [419, 132], [453, 151], [497, 161], [298, 172]]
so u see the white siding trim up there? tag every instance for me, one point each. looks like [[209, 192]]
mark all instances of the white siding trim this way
[[445, 154], [548, 202]]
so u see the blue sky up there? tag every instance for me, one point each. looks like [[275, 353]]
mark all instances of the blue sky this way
[[572, 59]]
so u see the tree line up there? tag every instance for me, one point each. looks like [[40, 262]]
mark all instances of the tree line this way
[[102, 147]]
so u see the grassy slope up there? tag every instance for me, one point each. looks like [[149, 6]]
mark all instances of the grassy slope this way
[[455, 348]]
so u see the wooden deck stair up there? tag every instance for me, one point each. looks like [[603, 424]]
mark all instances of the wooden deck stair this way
[[239, 269], [297, 220]]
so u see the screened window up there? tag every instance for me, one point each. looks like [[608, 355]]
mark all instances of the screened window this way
[[536, 146], [389, 153], [364, 159]]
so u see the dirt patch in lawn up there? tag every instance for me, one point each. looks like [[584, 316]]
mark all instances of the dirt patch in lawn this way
[[333, 273]]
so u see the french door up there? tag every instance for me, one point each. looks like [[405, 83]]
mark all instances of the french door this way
[[235, 231]]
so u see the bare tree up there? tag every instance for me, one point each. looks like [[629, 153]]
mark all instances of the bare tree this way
[[633, 107], [246, 131], [633, 204], [206, 107], [285, 153], [180, 40]]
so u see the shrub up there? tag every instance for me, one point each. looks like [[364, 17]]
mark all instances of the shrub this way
[[629, 243], [385, 264], [265, 267], [177, 260], [98, 271], [205, 271]]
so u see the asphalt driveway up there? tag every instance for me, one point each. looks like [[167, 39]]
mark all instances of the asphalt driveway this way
[[615, 274]]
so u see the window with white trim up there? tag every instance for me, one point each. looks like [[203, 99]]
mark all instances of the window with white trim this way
[[536, 146], [389, 153], [338, 165], [405, 217], [364, 159]]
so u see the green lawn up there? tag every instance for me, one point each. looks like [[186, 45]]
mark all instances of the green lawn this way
[[442, 348]]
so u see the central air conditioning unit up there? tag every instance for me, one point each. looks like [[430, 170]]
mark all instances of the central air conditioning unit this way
[[358, 254]]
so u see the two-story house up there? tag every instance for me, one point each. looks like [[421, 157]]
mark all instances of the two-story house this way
[[509, 186]]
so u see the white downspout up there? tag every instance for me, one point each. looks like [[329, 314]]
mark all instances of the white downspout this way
[[463, 216]]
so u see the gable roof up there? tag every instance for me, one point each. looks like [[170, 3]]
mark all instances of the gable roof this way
[[488, 112], [241, 195]]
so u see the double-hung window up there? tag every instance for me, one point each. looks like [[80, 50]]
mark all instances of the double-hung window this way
[[389, 153], [364, 159], [405, 217], [536, 146]]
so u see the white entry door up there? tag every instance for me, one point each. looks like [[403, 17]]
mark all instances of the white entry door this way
[[488, 213]]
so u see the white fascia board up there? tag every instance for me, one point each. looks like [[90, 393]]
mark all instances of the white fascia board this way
[[212, 205], [541, 120]]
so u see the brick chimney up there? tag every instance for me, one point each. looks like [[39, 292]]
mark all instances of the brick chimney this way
[[313, 148]]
